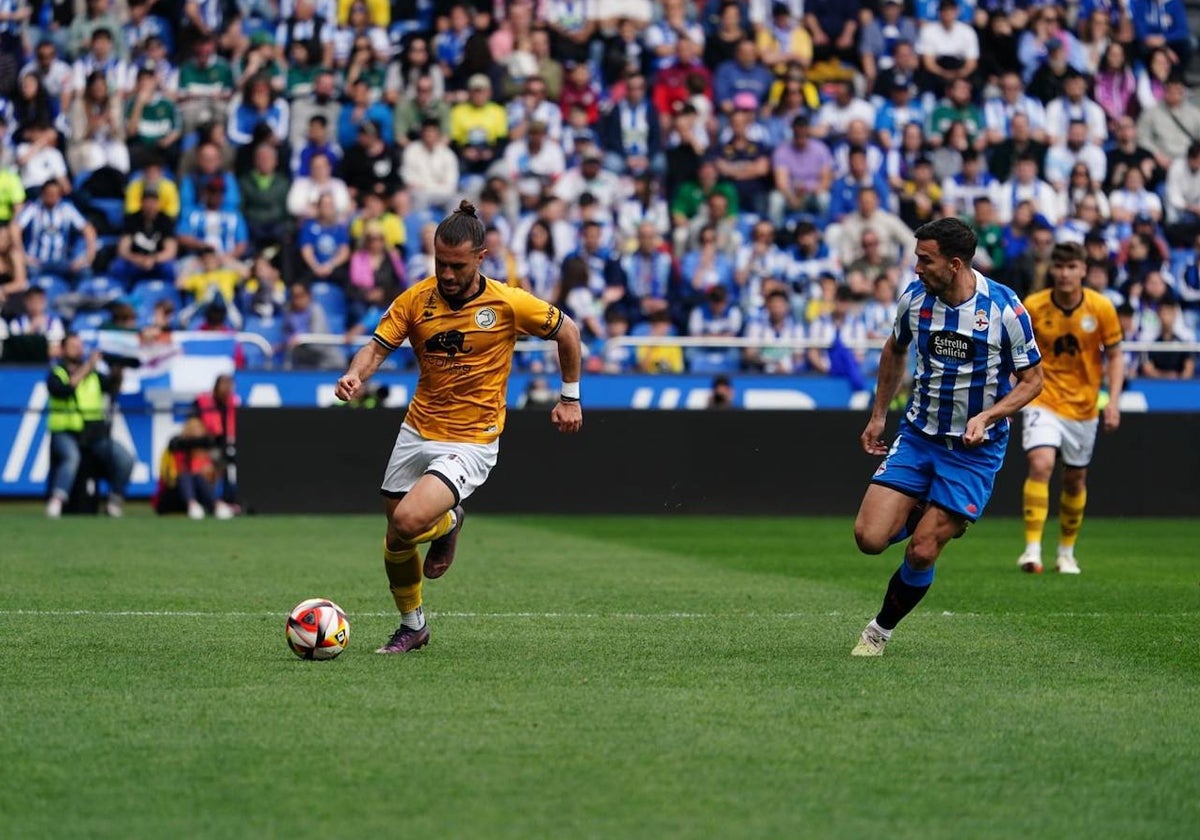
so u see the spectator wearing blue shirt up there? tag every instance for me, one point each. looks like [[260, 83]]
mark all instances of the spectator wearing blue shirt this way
[[630, 132], [324, 245], [927, 10], [744, 74], [844, 193], [259, 106], [1157, 23], [58, 239], [316, 142], [705, 267], [212, 226], [208, 167], [877, 44], [900, 109], [650, 279], [360, 109], [716, 317]]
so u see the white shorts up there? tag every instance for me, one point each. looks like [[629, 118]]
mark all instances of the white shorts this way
[[1075, 439], [462, 466]]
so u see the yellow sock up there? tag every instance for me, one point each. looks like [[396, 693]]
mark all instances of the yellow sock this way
[[404, 574], [439, 529], [1037, 506], [1070, 517]]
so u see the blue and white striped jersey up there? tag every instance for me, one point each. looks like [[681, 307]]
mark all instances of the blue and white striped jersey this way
[[965, 354], [51, 235]]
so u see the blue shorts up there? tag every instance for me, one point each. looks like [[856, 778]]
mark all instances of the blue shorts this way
[[942, 471]]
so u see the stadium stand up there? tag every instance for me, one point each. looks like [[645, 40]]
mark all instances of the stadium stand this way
[[684, 123]]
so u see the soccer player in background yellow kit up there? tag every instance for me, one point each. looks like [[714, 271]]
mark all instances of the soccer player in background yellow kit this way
[[1080, 337], [462, 327]]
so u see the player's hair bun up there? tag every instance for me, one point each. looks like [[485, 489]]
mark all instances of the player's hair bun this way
[[467, 209]]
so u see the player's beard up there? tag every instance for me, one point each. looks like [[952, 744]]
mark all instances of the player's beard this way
[[462, 293]]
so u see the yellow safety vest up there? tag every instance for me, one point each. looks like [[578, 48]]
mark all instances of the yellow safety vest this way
[[86, 405]]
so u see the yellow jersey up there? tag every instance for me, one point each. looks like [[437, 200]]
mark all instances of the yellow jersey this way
[[464, 354], [1073, 344]]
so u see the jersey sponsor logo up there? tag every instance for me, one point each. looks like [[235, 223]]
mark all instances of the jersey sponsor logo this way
[[950, 346], [551, 319], [981, 320], [1066, 344], [1088, 324], [485, 318], [450, 342]]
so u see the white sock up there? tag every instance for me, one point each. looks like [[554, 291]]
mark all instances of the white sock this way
[[887, 634], [1066, 551], [1033, 548], [414, 620]]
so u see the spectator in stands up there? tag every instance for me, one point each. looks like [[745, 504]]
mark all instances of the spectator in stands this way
[[1132, 201], [1075, 149], [1115, 85], [875, 262], [1127, 153], [1158, 364], [302, 317], [660, 358], [259, 105], [744, 162], [630, 132], [774, 323], [57, 238], [1075, 106], [533, 105], [424, 104], [97, 14], [1183, 198], [1152, 77], [213, 277], [57, 77], [706, 266], [715, 317], [373, 163], [104, 58], [478, 126], [1168, 128], [650, 279], [376, 273], [264, 193], [756, 262], [315, 140], [949, 49], [147, 249], [614, 358], [78, 425], [535, 160], [209, 166], [743, 74], [879, 39], [643, 206], [836, 114], [837, 332], [671, 84], [896, 238], [957, 107], [185, 477], [97, 129], [844, 195], [1025, 185], [324, 244], [304, 193], [213, 227], [205, 86], [921, 197], [1162, 23], [430, 169], [539, 270], [1029, 271], [999, 112], [40, 160], [803, 173], [38, 320], [152, 123]]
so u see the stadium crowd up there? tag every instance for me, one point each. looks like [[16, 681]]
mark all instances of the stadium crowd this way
[[685, 167]]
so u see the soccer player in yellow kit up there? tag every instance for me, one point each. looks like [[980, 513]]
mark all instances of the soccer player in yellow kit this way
[[1080, 337], [462, 327]]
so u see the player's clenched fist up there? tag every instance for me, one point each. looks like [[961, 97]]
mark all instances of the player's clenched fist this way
[[567, 417], [347, 388]]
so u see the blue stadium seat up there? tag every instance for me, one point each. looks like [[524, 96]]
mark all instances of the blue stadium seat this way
[[331, 298], [100, 286], [53, 286], [89, 320], [149, 292], [113, 210]]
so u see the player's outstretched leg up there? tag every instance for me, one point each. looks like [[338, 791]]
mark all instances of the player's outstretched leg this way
[[402, 561], [441, 549]]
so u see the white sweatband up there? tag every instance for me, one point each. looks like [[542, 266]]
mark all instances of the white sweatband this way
[[570, 391]]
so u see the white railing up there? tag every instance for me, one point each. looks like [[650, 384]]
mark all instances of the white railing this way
[[721, 342]]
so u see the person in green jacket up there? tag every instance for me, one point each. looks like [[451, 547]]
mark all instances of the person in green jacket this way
[[77, 422], [264, 198]]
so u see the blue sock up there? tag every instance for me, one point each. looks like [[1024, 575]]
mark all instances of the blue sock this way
[[905, 590], [916, 577]]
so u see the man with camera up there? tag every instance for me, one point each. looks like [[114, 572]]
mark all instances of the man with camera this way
[[78, 425]]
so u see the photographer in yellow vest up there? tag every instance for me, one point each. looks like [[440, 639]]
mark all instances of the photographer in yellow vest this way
[[78, 424]]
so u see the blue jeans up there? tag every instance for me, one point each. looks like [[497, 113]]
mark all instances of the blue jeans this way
[[66, 455]]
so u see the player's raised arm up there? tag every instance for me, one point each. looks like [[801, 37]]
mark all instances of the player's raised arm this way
[[567, 416]]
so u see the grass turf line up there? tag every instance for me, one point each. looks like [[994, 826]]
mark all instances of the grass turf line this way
[[1046, 706]]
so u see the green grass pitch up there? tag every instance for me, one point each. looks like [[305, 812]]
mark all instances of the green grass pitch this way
[[600, 677]]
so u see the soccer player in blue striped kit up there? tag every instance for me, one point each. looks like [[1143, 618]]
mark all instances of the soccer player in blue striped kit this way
[[977, 365]]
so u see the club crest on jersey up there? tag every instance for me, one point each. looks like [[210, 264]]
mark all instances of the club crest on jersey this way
[[1088, 324], [450, 342], [950, 346], [485, 318], [981, 320]]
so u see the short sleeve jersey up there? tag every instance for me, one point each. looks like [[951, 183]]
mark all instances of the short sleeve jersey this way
[[1073, 342], [464, 352]]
